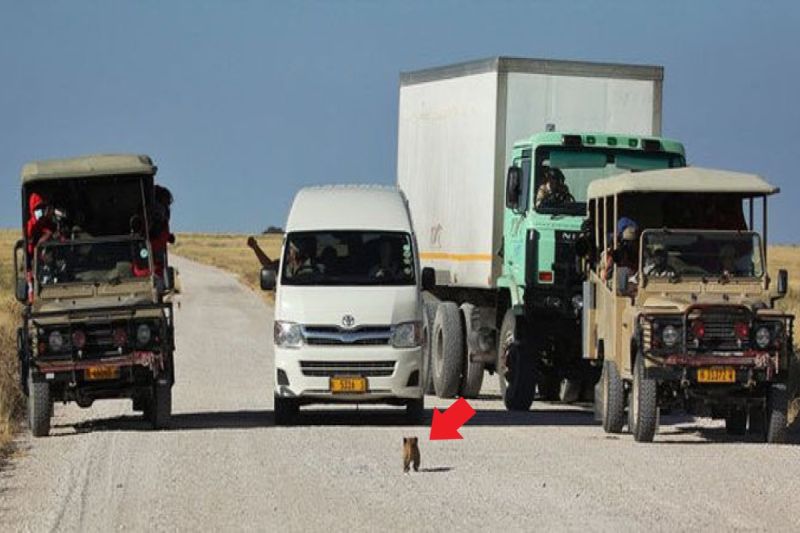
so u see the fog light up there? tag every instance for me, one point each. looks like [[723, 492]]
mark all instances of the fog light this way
[[669, 335], [78, 339], [143, 334], [56, 341], [763, 337]]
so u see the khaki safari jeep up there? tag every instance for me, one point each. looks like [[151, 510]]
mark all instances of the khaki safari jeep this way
[[97, 321], [682, 315]]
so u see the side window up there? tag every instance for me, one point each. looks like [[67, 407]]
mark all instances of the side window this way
[[525, 186]]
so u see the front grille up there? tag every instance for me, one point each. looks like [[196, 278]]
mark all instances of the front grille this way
[[720, 329], [335, 336], [566, 267], [342, 368]]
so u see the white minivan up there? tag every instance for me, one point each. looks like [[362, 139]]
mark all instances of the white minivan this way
[[347, 302]]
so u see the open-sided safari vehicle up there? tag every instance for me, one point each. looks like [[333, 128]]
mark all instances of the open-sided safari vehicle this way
[[684, 317], [96, 324]]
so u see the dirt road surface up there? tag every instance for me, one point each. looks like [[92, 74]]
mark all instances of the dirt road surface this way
[[224, 466]]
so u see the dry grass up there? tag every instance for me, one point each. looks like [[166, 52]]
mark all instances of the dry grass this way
[[229, 252], [10, 396]]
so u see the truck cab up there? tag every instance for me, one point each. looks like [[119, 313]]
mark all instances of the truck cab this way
[[543, 231], [97, 321], [681, 313]]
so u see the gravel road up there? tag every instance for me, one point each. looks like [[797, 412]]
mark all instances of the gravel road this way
[[224, 466]]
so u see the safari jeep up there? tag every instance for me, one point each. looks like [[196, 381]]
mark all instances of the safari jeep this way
[[96, 323], [689, 322]]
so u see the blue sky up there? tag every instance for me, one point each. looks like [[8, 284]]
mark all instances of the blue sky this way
[[242, 102]]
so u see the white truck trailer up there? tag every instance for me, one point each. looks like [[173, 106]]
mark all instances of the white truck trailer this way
[[460, 128]]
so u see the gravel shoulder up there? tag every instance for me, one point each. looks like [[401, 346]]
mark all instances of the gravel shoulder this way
[[224, 466]]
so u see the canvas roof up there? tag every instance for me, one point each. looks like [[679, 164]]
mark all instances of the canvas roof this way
[[87, 167], [687, 179]]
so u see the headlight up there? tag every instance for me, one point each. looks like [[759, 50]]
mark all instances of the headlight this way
[[407, 335], [669, 335], [56, 341], [288, 334], [143, 334], [763, 337]]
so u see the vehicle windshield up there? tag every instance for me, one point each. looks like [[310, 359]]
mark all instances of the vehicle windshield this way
[[580, 166], [92, 261], [706, 254], [348, 258]]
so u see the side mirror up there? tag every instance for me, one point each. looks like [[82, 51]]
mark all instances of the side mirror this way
[[622, 274], [428, 279], [513, 181], [783, 282], [20, 283], [268, 279]]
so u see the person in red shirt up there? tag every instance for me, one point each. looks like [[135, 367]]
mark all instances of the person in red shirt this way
[[41, 226]]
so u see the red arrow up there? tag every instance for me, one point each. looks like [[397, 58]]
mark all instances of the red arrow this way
[[445, 425]]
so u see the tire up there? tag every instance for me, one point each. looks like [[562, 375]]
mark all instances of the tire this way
[[549, 387], [428, 316], [757, 421], [415, 411], [447, 350], [611, 399], [286, 410], [472, 377], [40, 407], [569, 390], [776, 421], [643, 408], [517, 379], [160, 407], [736, 422]]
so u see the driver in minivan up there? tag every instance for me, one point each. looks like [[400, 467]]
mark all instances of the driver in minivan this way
[[299, 261]]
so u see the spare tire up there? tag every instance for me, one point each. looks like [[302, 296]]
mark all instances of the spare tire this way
[[447, 350]]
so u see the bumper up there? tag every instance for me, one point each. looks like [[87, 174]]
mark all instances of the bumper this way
[[60, 369], [750, 368], [391, 373]]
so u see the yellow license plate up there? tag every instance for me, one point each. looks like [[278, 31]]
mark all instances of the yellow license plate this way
[[96, 373], [716, 375], [348, 384]]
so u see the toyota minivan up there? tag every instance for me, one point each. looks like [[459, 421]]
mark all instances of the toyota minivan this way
[[347, 302]]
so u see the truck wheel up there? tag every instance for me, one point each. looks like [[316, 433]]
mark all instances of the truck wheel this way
[[775, 427], [472, 378], [756, 424], [549, 387], [428, 316], [611, 399], [643, 408], [736, 421], [415, 410], [159, 410], [286, 410], [569, 390], [515, 368], [447, 350], [40, 407]]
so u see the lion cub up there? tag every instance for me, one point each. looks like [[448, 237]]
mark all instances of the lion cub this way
[[410, 453]]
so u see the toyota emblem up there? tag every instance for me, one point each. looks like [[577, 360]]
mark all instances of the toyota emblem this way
[[348, 321]]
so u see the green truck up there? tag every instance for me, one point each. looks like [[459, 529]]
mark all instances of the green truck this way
[[500, 220]]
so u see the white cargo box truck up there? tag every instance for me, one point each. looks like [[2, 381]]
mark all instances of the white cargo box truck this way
[[460, 127]]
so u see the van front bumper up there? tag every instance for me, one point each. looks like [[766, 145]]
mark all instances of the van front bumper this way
[[391, 373]]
